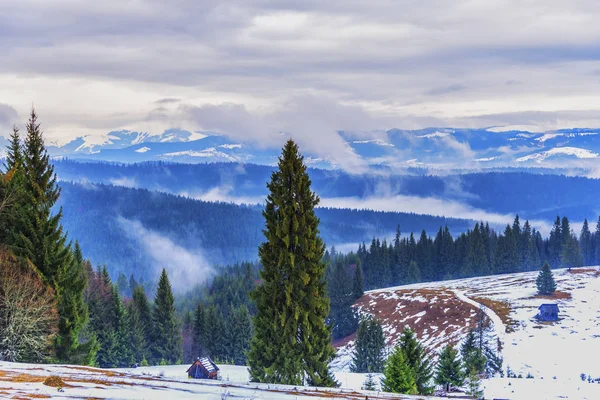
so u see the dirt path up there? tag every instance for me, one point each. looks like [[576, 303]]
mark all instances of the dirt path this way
[[499, 327]]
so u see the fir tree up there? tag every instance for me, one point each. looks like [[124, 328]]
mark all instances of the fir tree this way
[[38, 236], [167, 337], [471, 354], [415, 356], [342, 317], [585, 240], [142, 306], [398, 377], [449, 371], [357, 282], [545, 281], [291, 341], [137, 334], [14, 151], [369, 383], [369, 347], [199, 333], [474, 384]]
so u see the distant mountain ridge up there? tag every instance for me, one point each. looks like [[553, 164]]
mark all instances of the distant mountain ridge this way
[[395, 148]]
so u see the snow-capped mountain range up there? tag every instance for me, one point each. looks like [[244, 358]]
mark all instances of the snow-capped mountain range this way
[[431, 147]]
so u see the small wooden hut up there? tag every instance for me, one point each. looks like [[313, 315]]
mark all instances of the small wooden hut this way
[[203, 368], [548, 312]]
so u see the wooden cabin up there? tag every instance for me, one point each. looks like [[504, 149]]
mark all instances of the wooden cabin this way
[[203, 368], [548, 312]]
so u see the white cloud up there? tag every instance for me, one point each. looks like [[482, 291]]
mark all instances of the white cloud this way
[[185, 268], [429, 206]]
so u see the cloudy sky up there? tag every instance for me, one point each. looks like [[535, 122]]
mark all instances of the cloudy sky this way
[[254, 68]]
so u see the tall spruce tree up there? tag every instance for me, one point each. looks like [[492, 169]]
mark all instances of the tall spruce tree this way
[[37, 235], [292, 343], [545, 281], [417, 359], [449, 371], [167, 336]]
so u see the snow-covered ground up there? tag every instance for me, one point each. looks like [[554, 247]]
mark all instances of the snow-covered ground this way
[[164, 382], [554, 353]]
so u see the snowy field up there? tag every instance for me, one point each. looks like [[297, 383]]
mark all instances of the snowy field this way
[[554, 353], [25, 381]]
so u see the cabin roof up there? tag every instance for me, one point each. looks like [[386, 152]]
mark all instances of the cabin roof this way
[[206, 363], [549, 307]]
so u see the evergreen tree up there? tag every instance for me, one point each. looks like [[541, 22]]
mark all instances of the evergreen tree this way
[[571, 256], [291, 341], [585, 240], [199, 335], [167, 337], [38, 236], [545, 281], [398, 377], [342, 317], [472, 354], [123, 354], [137, 334], [142, 306], [413, 274], [369, 347], [369, 383], [449, 369], [14, 151], [555, 243], [474, 384], [415, 356], [357, 282]]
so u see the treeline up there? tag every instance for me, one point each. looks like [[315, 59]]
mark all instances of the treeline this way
[[479, 251]]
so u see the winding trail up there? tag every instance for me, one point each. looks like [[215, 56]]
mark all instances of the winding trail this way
[[499, 327]]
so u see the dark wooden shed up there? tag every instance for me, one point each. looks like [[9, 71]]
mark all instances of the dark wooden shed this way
[[548, 312], [203, 368]]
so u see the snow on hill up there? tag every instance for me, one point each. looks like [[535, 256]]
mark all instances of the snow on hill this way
[[556, 354], [559, 151]]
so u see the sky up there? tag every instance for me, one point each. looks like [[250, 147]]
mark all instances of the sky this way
[[252, 69]]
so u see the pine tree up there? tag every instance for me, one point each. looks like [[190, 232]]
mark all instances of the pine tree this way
[[472, 354], [73, 313], [449, 369], [413, 274], [415, 356], [123, 354], [14, 151], [585, 240], [142, 305], [137, 334], [474, 384], [369, 347], [398, 377], [291, 341], [167, 337], [342, 317], [369, 383], [357, 283], [545, 281], [199, 335]]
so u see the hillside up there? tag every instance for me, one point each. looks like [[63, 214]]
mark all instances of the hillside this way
[[532, 196], [442, 312], [136, 231]]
